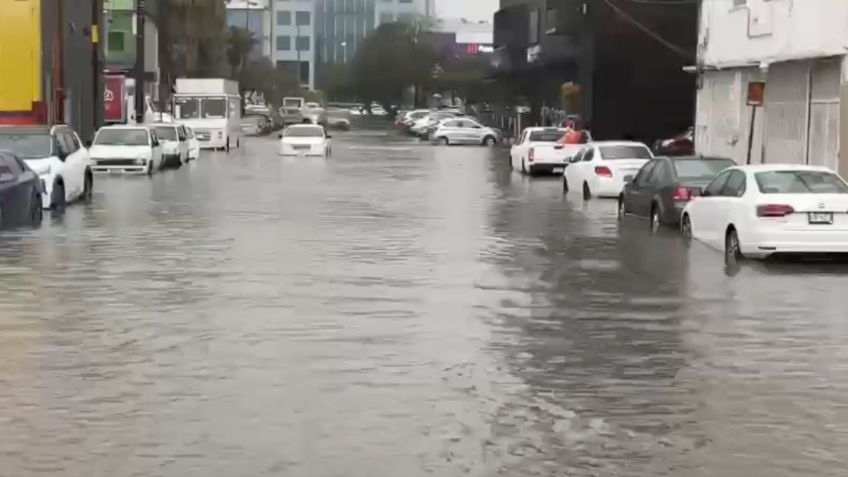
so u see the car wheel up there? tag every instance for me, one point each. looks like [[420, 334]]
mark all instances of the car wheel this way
[[149, 170], [587, 194], [227, 147], [36, 214], [88, 188], [564, 184], [523, 167], [238, 142], [489, 141], [655, 220], [732, 252], [446, 141], [57, 197], [686, 229], [622, 208]]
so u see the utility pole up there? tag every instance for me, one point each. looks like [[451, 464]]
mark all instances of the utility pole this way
[[96, 70], [139, 61]]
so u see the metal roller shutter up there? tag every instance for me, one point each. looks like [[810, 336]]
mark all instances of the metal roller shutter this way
[[824, 113], [787, 94]]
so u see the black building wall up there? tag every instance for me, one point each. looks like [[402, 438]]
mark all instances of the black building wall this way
[[81, 65]]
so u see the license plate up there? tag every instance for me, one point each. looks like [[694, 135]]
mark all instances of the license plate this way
[[820, 218], [558, 169]]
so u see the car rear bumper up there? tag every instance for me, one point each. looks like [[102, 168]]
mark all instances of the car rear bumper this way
[[823, 241], [546, 168], [606, 187], [126, 169]]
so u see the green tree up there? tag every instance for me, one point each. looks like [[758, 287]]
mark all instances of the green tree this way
[[240, 43], [274, 83], [391, 59]]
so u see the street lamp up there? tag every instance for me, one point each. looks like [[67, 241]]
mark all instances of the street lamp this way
[[343, 44]]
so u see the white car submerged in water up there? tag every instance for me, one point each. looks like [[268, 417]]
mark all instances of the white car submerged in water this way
[[126, 149], [57, 155], [305, 140]]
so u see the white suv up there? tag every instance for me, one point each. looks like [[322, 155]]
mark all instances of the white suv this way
[[57, 155]]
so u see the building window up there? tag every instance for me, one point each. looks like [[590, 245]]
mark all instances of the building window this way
[[116, 41], [740, 3], [283, 18], [283, 43], [302, 43], [302, 18]]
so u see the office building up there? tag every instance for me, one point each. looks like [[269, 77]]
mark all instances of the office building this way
[[294, 38], [255, 17]]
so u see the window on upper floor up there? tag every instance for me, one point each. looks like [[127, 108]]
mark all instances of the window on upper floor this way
[[115, 40], [302, 18], [284, 43], [302, 43], [283, 18], [740, 3]]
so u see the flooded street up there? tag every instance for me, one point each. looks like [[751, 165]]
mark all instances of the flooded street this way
[[403, 309]]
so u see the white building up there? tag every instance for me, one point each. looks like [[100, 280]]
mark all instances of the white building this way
[[293, 32], [798, 48]]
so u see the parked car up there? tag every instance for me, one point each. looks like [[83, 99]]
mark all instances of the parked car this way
[[338, 118], [305, 140], [535, 152], [126, 149], [57, 155], [193, 144], [174, 141], [663, 187], [681, 145], [601, 168], [411, 116], [465, 131], [314, 115], [255, 125], [759, 210], [422, 126], [20, 192], [291, 116]]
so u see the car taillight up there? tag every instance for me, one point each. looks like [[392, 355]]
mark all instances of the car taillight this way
[[531, 155], [603, 171], [682, 194], [774, 210]]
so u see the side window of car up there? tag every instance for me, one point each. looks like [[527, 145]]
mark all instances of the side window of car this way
[[589, 155], [10, 167], [657, 174], [76, 140], [70, 144], [644, 173], [735, 186], [62, 149], [715, 187]]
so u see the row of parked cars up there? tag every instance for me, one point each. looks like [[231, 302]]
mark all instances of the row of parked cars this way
[[447, 126], [746, 211], [48, 167]]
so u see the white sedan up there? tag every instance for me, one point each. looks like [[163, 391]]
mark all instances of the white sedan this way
[[755, 211], [305, 140], [602, 168], [125, 149]]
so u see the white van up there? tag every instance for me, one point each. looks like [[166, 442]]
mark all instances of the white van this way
[[212, 109]]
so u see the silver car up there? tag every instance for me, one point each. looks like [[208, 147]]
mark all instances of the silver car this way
[[464, 131]]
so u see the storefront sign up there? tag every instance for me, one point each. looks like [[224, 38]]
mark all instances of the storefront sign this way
[[113, 98], [756, 93]]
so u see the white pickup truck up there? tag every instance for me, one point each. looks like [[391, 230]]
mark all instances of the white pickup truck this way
[[540, 151]]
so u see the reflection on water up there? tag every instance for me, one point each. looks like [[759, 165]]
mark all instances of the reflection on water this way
[[402, 306]]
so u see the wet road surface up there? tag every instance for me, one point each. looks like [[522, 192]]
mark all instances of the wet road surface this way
[[403, 309]]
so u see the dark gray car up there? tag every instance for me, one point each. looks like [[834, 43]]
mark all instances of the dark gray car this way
[[663, 186]]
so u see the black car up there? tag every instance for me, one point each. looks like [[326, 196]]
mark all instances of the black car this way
[[20, 192], [664, 185]]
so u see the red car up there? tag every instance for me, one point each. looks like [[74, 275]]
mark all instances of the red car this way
[[680, 145]]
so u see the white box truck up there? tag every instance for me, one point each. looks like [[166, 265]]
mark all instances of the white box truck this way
[[212, 108]]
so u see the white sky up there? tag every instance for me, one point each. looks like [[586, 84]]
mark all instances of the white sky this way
[[470, 9]]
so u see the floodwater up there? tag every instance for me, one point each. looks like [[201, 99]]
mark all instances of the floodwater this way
[[403, 309]]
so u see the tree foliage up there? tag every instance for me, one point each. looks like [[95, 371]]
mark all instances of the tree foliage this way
[[240, 43], [192, 37], [390, 59]]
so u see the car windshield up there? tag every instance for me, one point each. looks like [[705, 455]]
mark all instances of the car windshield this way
[[548, 135], [800, 182], [213, 108], [166, 133], [187, 108], [121, 137], [305, 132], [705, 169], [27, 146], [625, 152]]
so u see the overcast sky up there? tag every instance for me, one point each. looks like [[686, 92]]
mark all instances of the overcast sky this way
[[470, 9]]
